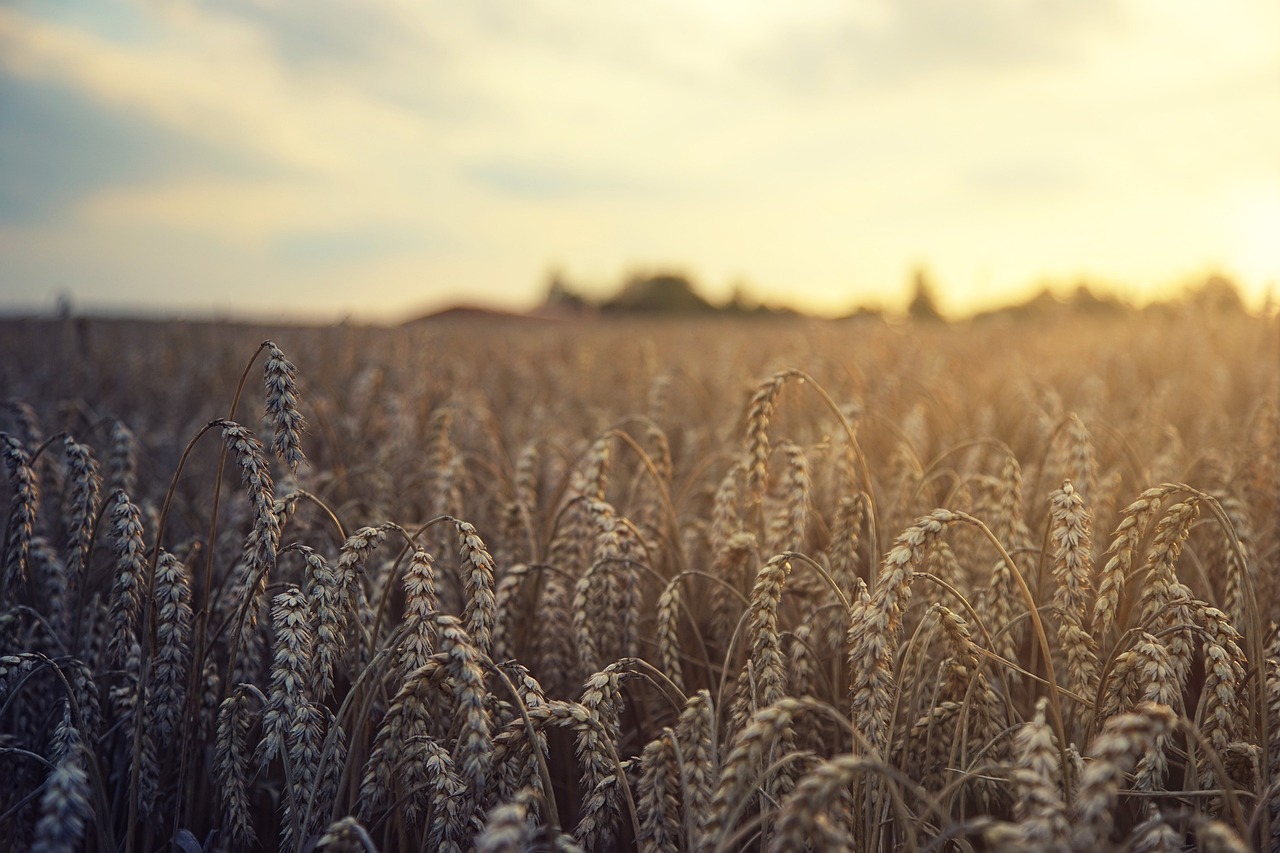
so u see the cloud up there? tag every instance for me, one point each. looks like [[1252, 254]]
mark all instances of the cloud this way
[[881, 42], [548, 180], [323, 34], [58, 146], [353, 246]]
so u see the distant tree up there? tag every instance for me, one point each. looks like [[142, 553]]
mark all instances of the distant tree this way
[[665, 293], [923, 307], [560, 294], [741, 302], [1218, 293], [1086, 301]]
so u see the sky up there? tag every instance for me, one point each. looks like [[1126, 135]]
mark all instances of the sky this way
[[328, 159]]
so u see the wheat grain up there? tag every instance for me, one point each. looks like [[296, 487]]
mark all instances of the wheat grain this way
[[254, 474], [1214, 836], [595, 470], [324, 595], [732, 564], [995, 605], [1154, 835], [49, 576], [1039, 805], [1079, 463], [845, 538], [508, 604], [1225, 668]]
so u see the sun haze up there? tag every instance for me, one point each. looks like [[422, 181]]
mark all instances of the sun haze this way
[[372, 159]]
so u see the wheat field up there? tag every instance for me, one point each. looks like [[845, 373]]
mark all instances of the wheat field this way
[[637, 584]]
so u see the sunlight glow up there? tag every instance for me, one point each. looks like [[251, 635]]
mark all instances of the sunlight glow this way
[[1256, 253]]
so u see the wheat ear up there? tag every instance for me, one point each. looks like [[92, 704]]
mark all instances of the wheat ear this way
[[23, 506], [760, 412], [875, 627], [65, 809], [130, 575], [480, 612], [84, 486], [1072, 574], [658, 799], [1112, 755], [280, 378]]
